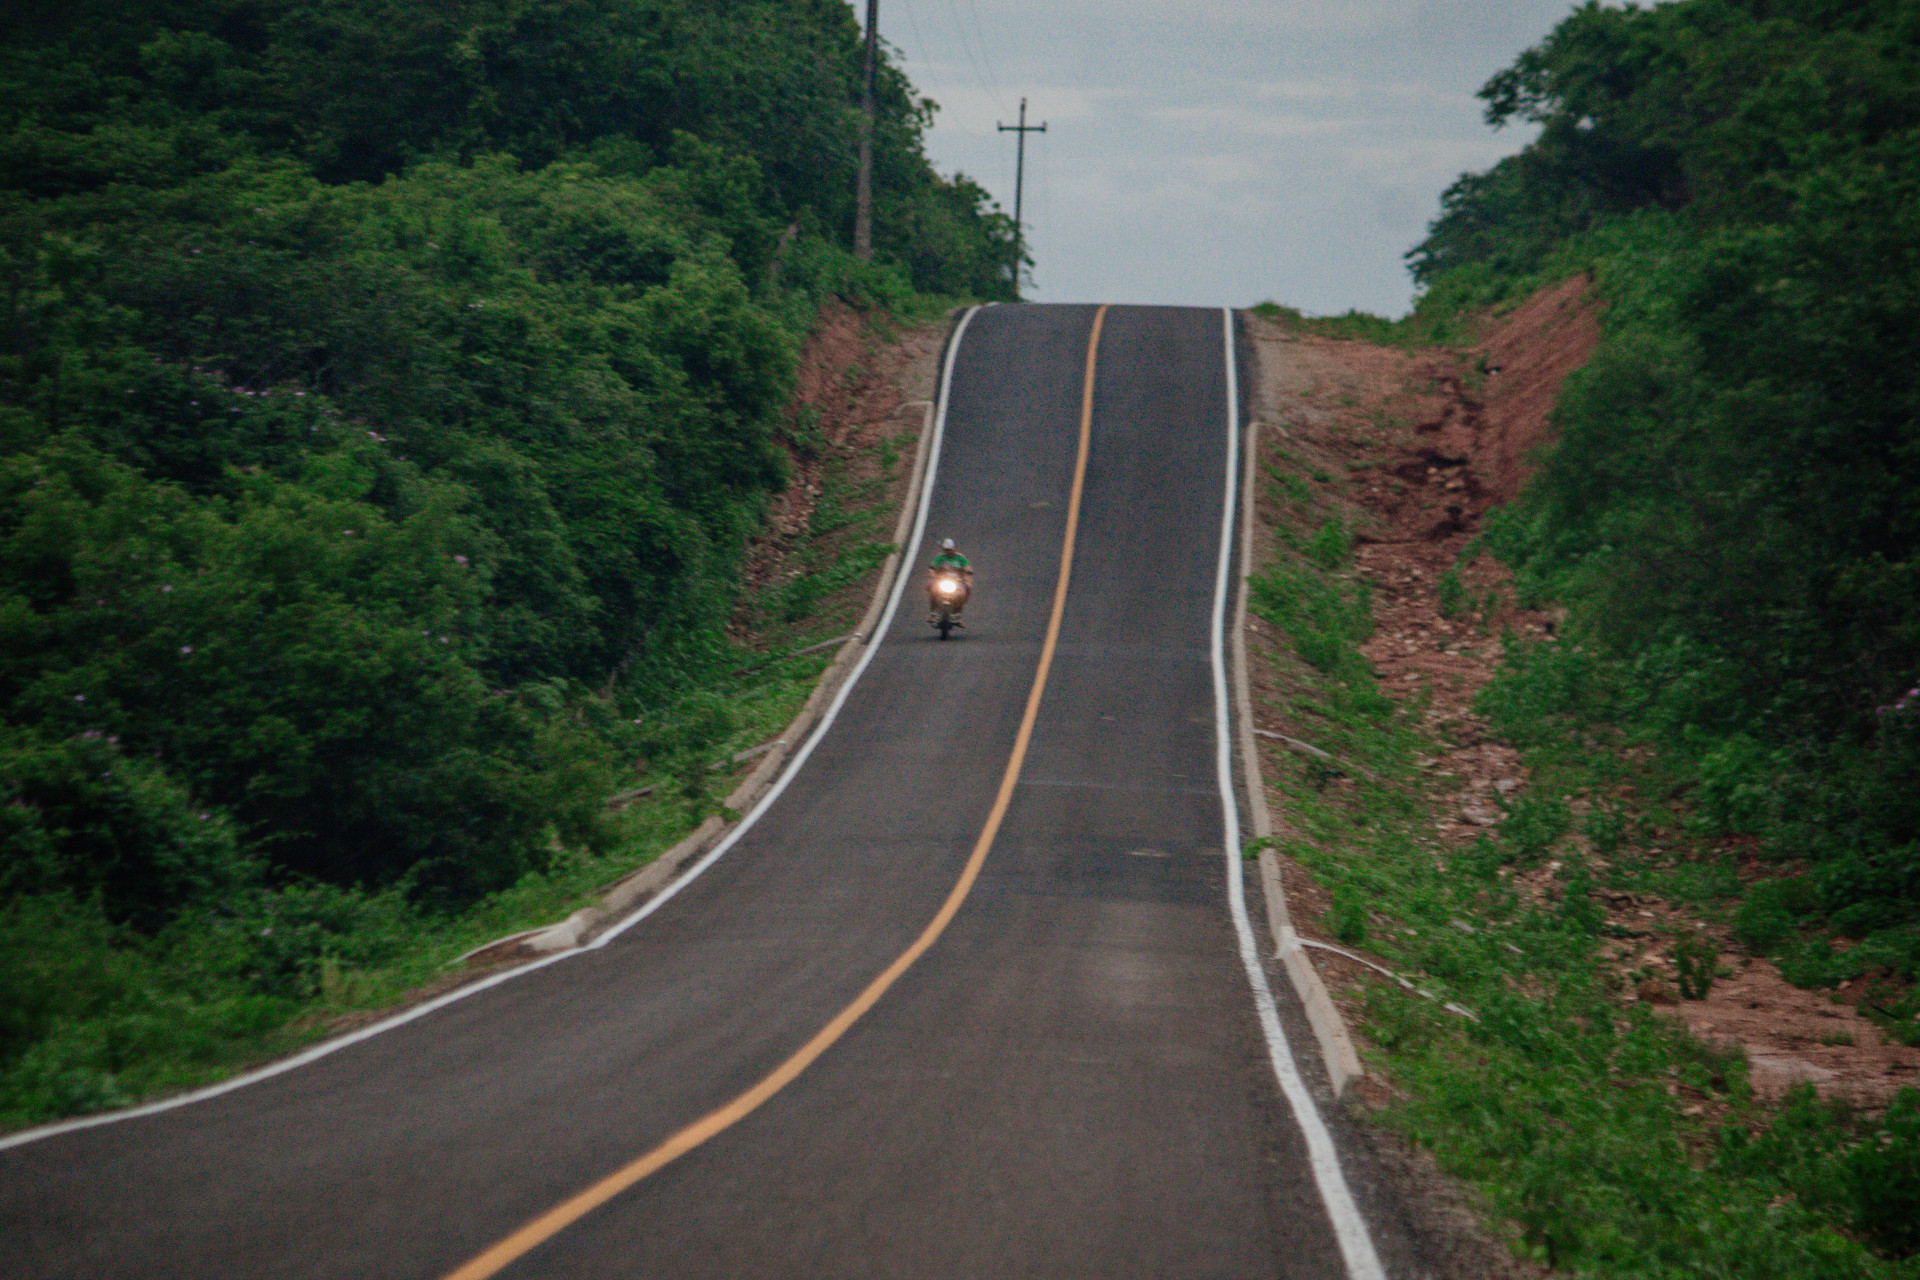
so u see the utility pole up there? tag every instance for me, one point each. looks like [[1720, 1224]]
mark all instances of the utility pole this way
[[1020, 131], [863, 185]]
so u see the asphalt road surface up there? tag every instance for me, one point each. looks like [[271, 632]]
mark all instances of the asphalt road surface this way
[[1070, 1082]]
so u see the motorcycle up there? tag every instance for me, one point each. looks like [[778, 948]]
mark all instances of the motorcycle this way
[[945, 597]]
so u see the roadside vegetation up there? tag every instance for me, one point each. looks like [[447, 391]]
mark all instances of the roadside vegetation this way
[[389, 395], [1727, 719], [1598, 1133], [1601, 1137], [1730, 511]]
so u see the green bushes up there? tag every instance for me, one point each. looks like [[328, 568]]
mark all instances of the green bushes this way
[[1348, 919], [1727, 510], [1534, 824], [387, 393], [1864, 1176], [1571, 1112], [1331, 546], [99, 1014], [299, 662], [81, 817], [334, 504], [1729, 516]]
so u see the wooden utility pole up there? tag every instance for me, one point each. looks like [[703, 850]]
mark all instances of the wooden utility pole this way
[[863, 185], [1020, 131]]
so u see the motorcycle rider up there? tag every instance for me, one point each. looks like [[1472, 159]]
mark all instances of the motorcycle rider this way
[[951, 561]]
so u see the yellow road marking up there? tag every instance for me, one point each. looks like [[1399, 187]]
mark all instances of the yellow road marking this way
[[561, 1216]]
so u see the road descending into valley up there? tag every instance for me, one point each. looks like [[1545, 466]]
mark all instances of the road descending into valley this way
[[1073, 1075]]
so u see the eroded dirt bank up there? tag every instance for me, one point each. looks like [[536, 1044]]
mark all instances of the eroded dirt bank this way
[[1416, 448], [849, 435]]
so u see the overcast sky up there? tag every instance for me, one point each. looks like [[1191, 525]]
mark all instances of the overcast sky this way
[[1224, 153]]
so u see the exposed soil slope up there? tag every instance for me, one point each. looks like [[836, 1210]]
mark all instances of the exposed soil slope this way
[[851, 430], [1419, 447]]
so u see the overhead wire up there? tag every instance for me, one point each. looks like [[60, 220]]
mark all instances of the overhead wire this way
[[977, 58], [921, 48], [993, 81], [972, 39]]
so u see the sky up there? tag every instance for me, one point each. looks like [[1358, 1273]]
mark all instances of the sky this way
[[1218, 154]]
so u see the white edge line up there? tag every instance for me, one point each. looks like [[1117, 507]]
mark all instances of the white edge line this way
[[653, 904], [1349, 1228]]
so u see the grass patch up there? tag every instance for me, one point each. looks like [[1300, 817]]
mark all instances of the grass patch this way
[[1603, 1138], [1423, 327]]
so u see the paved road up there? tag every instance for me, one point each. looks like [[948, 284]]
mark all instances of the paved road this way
[[1071, 1082]]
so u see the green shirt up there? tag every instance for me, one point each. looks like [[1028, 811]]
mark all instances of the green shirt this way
[[950, 560]]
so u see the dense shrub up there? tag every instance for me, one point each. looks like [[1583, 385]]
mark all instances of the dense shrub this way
[[1866, 1176], [81, 817], [386, 394], [1729, 508]]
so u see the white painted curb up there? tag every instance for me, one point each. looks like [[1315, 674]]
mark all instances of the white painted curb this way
[[1336, 1046], [1323, 1157]]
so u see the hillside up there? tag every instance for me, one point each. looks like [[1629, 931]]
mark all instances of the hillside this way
[[1599, 576], [1729, 512], [389, 395]]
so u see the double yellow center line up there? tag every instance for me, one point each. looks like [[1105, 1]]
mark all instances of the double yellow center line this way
[[563, 1215]]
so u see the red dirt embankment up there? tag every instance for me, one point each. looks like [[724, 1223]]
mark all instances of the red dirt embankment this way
[[860, 393], [1421, 446]]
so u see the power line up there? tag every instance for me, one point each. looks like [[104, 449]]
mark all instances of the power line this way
[[1045, 219], [985, 80], [993, 81], [920, 44]]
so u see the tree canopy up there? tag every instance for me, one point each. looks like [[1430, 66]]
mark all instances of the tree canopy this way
[[386, 393]]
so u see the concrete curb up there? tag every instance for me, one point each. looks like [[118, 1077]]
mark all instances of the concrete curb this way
[[637, 886], [1336, 1046]]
